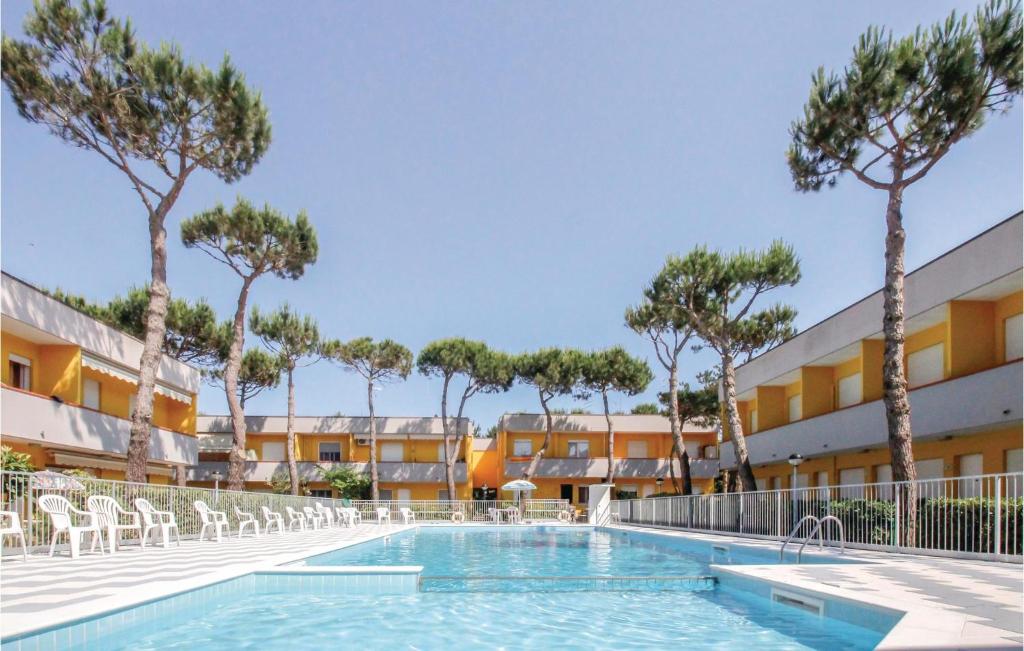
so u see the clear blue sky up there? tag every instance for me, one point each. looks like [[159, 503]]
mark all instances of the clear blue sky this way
[[513, 172]]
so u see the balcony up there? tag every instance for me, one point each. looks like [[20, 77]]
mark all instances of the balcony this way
[[597, 468], [388, 471], [967, 404], [41, 420]]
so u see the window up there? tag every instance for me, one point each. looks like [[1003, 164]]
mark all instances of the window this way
[[883, 476], [929, 468], [442, 495], [628, 492], [584, 495], [636, 450], [762, 484], [753, 421], [321, 493], [273, 450], [404, 494], [391, 451], [1013, 335], [21, 372], [801, 480], [385, 494], [692, 449], [579, 449], [776, 483], [794, 408], [648, 490], [522, 447], [1014, 463], [925, 366], [823, 479], [90, 393], [330, 452], [851, 391], [440, 452]]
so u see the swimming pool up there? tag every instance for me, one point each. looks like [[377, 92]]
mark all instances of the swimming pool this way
[[307, 607]]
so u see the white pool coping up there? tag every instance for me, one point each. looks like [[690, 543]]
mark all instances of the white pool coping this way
[[923, 624]]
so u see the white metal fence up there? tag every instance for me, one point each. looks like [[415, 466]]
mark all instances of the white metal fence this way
[[977, 517], [19, 492]]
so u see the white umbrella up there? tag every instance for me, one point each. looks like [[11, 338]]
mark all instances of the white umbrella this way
[[55, 481], [519, 485]]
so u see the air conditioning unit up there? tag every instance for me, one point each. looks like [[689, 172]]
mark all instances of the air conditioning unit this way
[[363, 442]]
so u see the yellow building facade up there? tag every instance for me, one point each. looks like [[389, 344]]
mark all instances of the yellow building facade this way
[[410, 453], [578, 454], [820, 393], [68, 388]]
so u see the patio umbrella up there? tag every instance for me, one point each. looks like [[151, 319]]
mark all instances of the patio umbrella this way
[[519, 485], [55, 481]]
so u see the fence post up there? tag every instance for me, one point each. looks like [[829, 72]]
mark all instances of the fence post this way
[[999, 516], [741, 501], [896, 497], [778, 513]]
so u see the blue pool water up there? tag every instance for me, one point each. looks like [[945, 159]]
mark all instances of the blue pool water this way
[[302, 612]]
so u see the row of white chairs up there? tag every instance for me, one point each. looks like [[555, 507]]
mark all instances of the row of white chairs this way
[[105, 515]]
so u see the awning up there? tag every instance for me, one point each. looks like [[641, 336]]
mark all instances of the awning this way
[[82, 461], [132, 377]]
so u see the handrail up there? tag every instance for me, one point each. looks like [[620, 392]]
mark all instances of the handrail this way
[[813, 518], [817, 529]]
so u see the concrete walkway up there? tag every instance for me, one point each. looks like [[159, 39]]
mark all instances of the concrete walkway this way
[[47, 591]]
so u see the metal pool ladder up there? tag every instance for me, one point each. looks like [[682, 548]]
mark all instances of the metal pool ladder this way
[[815, 530]]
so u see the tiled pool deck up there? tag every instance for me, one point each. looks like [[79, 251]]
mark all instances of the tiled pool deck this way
[[955, 603]]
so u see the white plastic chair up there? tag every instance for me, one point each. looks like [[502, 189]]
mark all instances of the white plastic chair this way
[[246, 519], [14, 529], [408, 517], [344, 517], [495, 515], [295, 518], [272, 519], [383, 515], [110, 516], [63, 517], [357, 516], [325, 513], [313, 517], [153, 520], [216, 519], [512, 513]]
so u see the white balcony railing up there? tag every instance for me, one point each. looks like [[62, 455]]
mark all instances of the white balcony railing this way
[[597, 467], [966, 404], [388, 471], [38, 419]]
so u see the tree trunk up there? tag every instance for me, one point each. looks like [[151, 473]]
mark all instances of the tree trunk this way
[[156, 328], [293, 468], [449, 470], [677, 429], [894, 381], [739, 444], [548, 426], [610, 477], [672, 469], [236, 458], [374, 477], [460, 436], [180, 476]]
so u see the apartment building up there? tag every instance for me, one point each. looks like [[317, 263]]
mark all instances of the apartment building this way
[[820, 393], [578, 454], [68, 389], [410, 457]]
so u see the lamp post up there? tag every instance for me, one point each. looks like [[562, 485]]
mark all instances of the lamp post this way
[[794, 460], [659, 482], [216, 477]]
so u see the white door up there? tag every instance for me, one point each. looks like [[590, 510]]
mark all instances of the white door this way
[[403, 494], [925, 366], [801, 480], [970, 466], [391, 452], [851, 390], [931, 469], [273, 451], [883, 477], [91, 393], [761, 484], [1013, 334], [1014, 463], [636, 449], [794, 408], [440, 451], [851, 479]]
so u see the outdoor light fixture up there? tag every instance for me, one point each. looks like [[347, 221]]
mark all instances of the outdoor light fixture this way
[[795, 460], [659, 481], [216, 477]]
